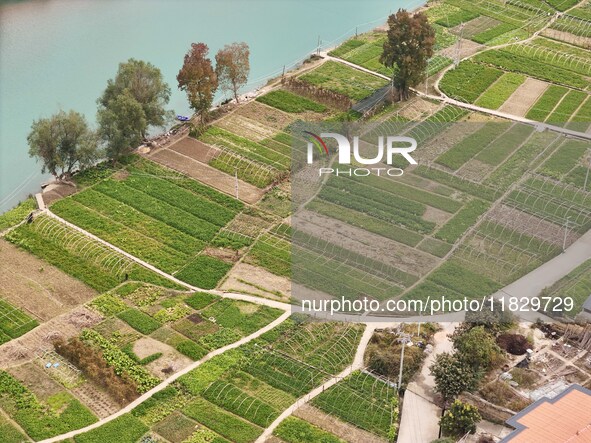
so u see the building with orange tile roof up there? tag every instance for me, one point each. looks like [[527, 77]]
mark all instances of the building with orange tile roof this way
[[564, 419]]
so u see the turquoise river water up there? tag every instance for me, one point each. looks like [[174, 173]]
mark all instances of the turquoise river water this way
[[58, 54]]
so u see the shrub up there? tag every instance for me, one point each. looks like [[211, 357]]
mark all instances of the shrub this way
[[452, 376], [289, 102], [476, 347], [460, 419]]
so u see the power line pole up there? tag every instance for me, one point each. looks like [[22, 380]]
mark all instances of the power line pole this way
[[404, 338], [459, 47], [565, 233], [587, 173], [236, 182]]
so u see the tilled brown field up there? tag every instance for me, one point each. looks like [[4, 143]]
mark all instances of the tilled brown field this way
[[531, 225], [341, 429], [246, 127], [524, 97], [267, 115], [206, 174], [255, 280], [377, 247], [98, 401], [36, 286], [195, 149]]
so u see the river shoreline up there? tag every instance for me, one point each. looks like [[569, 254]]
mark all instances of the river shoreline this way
[[21, 175]]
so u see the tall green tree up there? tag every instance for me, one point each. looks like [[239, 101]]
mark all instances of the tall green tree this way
[[476, 347], [407, 49], [198, 79], [232, 67], [452, 376], [122, 125], [133, 101], [63, 142], [459, 419]]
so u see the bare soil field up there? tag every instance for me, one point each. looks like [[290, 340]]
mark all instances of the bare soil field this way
[[97, 400], [36, 286], [246, 127], [475, 170], [450, 136], [267, 115], [524, 97], [195, 149], [436, 216], [55, 192], [476, 25], [584, 42], [258, 281], [39, 339], [248, 225], [206, 174], [530, 225], [417, 109], [468, 48], [377, 247], [332, 424], [36, 379], [146, 346]]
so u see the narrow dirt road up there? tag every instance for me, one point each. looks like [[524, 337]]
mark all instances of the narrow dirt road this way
[[168, 381], [357, 364]]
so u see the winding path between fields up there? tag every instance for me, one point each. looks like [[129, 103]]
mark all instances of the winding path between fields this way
[[357, 364], [168, 381], [450, 101]]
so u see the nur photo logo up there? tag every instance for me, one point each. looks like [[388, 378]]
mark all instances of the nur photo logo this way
[[349, 154]]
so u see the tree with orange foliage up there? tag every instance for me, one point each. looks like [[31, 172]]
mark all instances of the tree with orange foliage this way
[[198, 79]]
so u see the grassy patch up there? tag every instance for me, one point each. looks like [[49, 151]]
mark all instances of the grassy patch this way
[[464, 219], [505, 145], [471, 145], [344, 80], [468, 80], [222, 422], [295, 430], [139, 321], [17, 214], [124, 429], [204, 272], [500, 91], [289, 102]]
